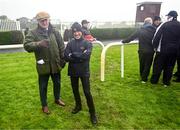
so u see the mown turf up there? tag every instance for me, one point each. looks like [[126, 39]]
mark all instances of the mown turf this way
[[121, 103]]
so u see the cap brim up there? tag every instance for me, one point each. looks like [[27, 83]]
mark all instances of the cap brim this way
[[87, 22], [43, 18]]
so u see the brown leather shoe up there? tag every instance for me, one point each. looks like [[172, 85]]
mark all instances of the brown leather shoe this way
[[60, 102], [45, 110]]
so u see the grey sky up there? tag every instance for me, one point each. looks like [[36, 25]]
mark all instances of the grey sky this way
[[76, 10]]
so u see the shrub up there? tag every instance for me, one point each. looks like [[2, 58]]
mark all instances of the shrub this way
[[11, 37], [111, 33]]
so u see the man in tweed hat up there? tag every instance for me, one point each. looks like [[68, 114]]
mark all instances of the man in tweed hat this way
[[48, 47]]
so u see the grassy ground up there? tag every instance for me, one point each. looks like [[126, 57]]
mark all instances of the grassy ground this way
[[120, 103]]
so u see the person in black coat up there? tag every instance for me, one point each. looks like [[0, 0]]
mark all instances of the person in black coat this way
[[177, 73], [146, 52], [165, 42], [86, 32], [156, 21], [77, 53]]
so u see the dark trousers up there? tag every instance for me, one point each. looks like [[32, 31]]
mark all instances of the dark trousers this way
[[43, 84], [145, 60], [178, 66], [86, 89], [163, 62]]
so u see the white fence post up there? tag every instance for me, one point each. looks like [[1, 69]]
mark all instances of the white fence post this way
[[98, 42], [103, 55], [122, 61]]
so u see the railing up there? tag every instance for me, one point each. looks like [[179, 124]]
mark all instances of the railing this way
[[103, 56], [3, 47], [99, 42]]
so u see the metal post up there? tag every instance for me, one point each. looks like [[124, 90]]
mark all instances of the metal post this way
[[98, 42], [103, 54], [122, 61]]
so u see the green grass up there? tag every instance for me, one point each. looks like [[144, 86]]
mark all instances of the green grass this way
[[122, 103]]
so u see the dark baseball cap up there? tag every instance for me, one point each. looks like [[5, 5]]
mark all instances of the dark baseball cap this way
[[84, 22], [172, 14], [156, 18]]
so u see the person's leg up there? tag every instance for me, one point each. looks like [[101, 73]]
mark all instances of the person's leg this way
[[168, 69], [177, 73], [43, 83], [75, 88], [157, 68], [141, 63], [89, 99], [56, 85], [178, 70], [147, 59], [178, 66], [56, 78], [86, 89]]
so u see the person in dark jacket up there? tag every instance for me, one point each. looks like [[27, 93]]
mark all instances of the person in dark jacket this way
[[146, 52], [177, 73], [67, 35], [48, 47], [156, 21], [77, 53], [165, 42], [86, 33]]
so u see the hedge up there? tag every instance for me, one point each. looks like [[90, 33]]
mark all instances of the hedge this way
[[11, 37], [16, 37], [112, 33]]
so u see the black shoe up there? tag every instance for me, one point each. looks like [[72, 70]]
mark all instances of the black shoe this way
[[93, 119], [76, 110]]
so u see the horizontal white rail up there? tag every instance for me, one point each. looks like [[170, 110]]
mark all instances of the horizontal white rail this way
[[11, 46]]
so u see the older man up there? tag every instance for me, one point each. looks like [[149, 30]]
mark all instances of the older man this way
[[146, 52], [48, 47]]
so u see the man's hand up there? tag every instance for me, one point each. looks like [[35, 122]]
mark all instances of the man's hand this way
[[44, 43]]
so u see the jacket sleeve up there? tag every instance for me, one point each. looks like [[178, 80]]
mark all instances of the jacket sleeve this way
[[30, 45], [60, 43], [131, 37], [68, 54], [61, 48], [87, 52]]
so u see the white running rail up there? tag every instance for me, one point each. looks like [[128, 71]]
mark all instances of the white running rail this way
[[103, 56]]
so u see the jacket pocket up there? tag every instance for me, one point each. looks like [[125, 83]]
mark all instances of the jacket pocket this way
[[42, 67]]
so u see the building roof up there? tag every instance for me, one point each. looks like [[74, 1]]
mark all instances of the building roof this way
[[148, 2]]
